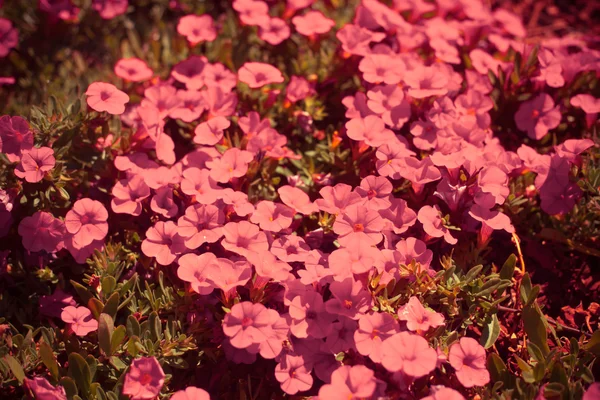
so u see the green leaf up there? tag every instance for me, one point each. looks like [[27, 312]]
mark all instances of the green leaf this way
[[490, 332], [525, 288], [79, 370], [128, 285], [593, 345], [553, 390], [112, 305], [508, 269], [472, 274], [133, 326], [496, 367], [526, 370], [82, 292], [69, 385], [47, 356], [155, 326], [15, 367], [95, 307], [109, 284], [535, 327], [117, 338], [106, 328]]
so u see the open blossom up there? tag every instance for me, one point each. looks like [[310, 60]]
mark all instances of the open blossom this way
[[272, 217], [163, 242], [418, 318], [309, 317], [133, 69], [359, 222], [197, 28], [9, 37], [42, 231], [408, 353], [248, 324], [227, 275], [372, 330], [312, 23], [43, 390], [538, 116], [108, 9], [370, 130], [80, 319], [193, 269], [191, 393], [350, 298], [297, 199], [144, 379], [35, 163], [433, 224], [128, 195], [350, 382], [244, 238], [256, 74], [443, 393], [468, 358], [293, 374], [211, 132], [106, 97], [232, 164], [201, 224], [274, 31], [16, 137], [86, 221]]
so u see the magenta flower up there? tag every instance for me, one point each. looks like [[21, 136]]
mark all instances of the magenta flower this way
[[390, 104], [103, 96], [238, 201], [9, 37], [35, 163], [86, 221], [272, 217], [538, 116], [15, 137], [592, 392], [42, 231], [268, 267], [200, 224], [298, 89], [163, 243], [108, 9], [252, 12], [350, 382], [190, 107], [293, 375], [408, 353], [468, 359], [191, 72], [197, 28], [274, 31], [375, 190], [221, 103], [158, 102], [350, 299], [256, 74], [217, 75], [414, 249], [128, 195], [244, 238], [297, 199], [372, 330], [43, 390], [211, 132], [232, 164], [359, 222], [227, 275], [80, 319], [370, 130], [433, 224], [335, 199], [312, 23], [248, 324], [290, 248], [418, 318], [357, 257], [193, 269], [309, 317], [443, 393], [381, 68], [356, 39], [191, 393], [133, 70], [163, 204], [144, 379], [425, 82], [588, 103], [198, 183]]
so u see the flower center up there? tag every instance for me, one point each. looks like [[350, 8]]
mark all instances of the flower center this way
[[348, 304], [371, 193], [104, 96], [535, 114], [246, 322], [359, 227], [146, 379], [374, 334], [85, 219]]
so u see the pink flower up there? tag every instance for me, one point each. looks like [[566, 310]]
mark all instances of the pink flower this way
[[35, 163], [408, 353], [272, 217], [312, 23], [274, 31], [198, 183], [537, 116], [238, 201], [417, 317], [201, 224], [290, 248], [248, 324], [588, 103], [190, 107], [158, 102], [191, 393], [144, 379], [381, 68], [375, 190], [361, 223], [297, 199], [256, 74], [433, 224], [232, 164], [191, 72], [243, 238], [62, 9], [443, 393], [390, 104], [227, 275], [43, 390], [197, 28], [193, 269], [468, 358], [370, 130], [217, 75], [357, 257], [550, 69], [9, 37], [109, 9], [398, 217], [211, 132], [268, 267], [426, 81], [372, 330], [309, 317], [350, 382], [106, 97], [163, 242], [128, 195], [86, 221], [293, 375], [252, 12], [133, 70], [356, 39], [592, 392], [42, 231], [298, 89], [335, 199], [350, 299], [80, 319], [15, 137]]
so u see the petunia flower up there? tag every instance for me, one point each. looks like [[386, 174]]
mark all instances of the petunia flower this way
[[341, 337], [350, 382], [274, 31], [198, 183], [103, 96], [247, 324], [443, 393], [133, 70], [163, 242], [42, 231], [418, 318], [86, 221], [80, 320], [243, 238], [191, 72], [381, 69], [298, 89], [144, 379], [16, 136], [433, 224], [232, 164], [256, 74], [128, 195], [159, 101], [359, 222], [201, 224], [238, 201], [217, 75], [293, 375], [193, 269], [252, 12], [468, 359], [372, 330], [227, 275], [108, 9], [43, 390], [356, 39], [350, 298], [312, 23], [35, 163], [272, 217], [197, 28], [191, 393], [9, 37], [538, 116], [309, 317], [370, 130], [356, 257], [425, 82], [388, 101], [297, 199], [592, 392], [375, 190], [408, 353], [190, 107], [335, 199], [268, 267], [211, 132]]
